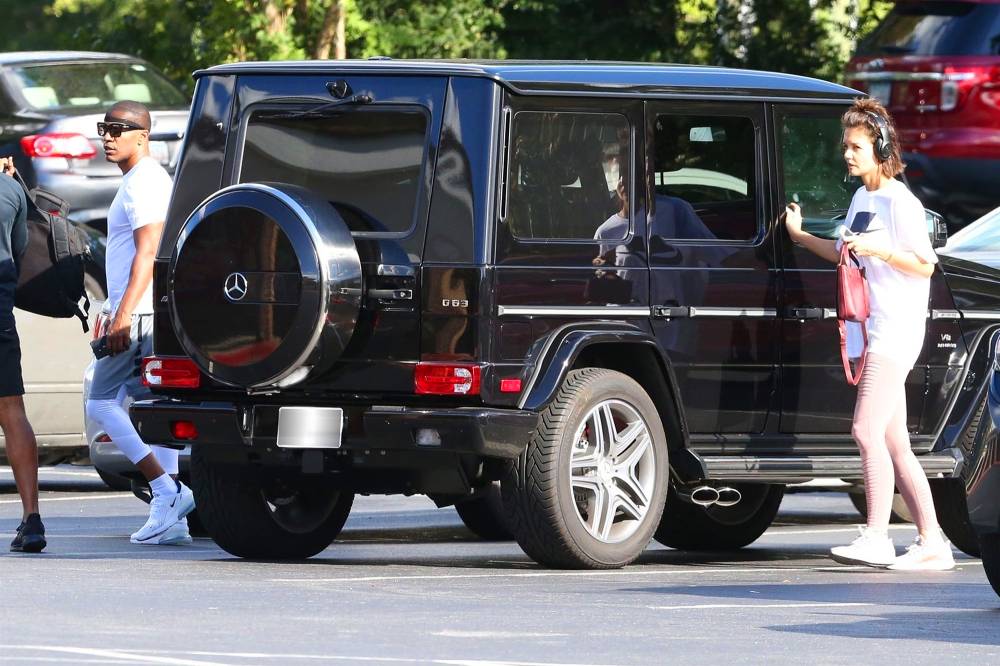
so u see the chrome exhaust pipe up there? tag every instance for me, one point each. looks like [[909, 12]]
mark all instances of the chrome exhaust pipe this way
[[704, 496], [728, 497]]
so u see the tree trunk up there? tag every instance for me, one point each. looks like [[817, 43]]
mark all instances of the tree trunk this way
[[276, 19], [331, 34]]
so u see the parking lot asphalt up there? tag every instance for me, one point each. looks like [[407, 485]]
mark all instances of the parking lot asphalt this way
[[406, 583]]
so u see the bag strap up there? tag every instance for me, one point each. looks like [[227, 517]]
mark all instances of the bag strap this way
[[852, 377]]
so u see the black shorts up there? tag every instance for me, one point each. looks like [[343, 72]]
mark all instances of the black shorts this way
[[10, 362]]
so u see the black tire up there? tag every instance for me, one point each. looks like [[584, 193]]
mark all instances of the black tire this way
[[688, 526], [113, 481], [990, 547], [900, 512], [293, 518], [951, 499], [484, 515], [544, 513]]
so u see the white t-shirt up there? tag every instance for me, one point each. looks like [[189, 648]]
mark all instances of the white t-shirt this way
[[142, 199], [612, 234], [894, 218]]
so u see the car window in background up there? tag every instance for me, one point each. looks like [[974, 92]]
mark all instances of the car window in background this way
[[98, 84], [706, 162], [814, 172], [936, 28], [564, 173], [983, 234]]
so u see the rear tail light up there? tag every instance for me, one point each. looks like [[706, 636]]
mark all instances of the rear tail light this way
[[183, 430], [170, 372], [960, 82], [58, 144], [103, 438], [446, 379]]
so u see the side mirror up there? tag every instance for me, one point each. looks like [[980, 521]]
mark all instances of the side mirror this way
[[937, 229]]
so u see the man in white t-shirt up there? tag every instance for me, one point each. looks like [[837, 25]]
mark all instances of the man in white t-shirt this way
[[135, 222]]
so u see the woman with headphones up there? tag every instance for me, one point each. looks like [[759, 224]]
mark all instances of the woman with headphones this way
[[885, 227]]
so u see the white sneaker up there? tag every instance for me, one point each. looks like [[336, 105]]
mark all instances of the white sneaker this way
[[164, 512], [175, 535], [872, 548], [920, 556]]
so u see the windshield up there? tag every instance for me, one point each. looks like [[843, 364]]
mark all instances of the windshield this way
[[94, 84], [983, 234], [936, 28]]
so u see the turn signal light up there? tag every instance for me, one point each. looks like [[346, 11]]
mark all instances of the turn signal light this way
[[446, 379], [170, 372], [58, 144], [183, 430]]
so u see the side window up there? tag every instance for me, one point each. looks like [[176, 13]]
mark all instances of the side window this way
[[813, 171], [566, 175], [703, 177]]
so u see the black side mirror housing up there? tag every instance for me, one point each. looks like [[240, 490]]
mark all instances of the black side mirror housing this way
[[937, 228]]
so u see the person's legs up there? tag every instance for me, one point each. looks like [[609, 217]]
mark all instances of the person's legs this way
[[22, 451], [872, 412], [871, 418], [910, 477], [168, 458]]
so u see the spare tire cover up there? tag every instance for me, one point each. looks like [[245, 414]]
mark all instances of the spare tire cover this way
[[264, 285]]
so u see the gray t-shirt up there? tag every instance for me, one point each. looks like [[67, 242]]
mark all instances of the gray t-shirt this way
[[13, 241]]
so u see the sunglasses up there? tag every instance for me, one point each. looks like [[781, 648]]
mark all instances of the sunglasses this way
[[116, 128]]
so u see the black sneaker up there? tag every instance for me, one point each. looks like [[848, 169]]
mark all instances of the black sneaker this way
[[30, 536]]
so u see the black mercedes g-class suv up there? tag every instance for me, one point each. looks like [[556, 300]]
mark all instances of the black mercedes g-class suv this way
[[561, 283]]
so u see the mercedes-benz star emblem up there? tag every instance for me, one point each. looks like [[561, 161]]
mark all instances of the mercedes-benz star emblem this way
[[235, 287]]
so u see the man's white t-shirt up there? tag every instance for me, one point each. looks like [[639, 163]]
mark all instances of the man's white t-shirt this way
[[612, 233], [893, 218], [142, 199]]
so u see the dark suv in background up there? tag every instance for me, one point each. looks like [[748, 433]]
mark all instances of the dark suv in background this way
[[936, 67], [571, 279], [50, 103]]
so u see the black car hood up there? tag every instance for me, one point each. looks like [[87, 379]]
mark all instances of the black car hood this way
[[974, 286]]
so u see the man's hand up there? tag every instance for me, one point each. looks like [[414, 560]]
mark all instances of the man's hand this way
[[793, 220], [119, 332], [7, 166]]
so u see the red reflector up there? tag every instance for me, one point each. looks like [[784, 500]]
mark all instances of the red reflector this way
[[103, 437], [183, 430], [58, 144], [446, 379], [510, 385], [170, 372]]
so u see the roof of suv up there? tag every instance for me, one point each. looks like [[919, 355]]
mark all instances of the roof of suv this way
[[552, 77], [21, 57]]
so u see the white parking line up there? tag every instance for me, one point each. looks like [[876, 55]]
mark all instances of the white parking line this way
[[561, 574], [756, 606], [147, 656], [57, 472], [75, 498], [121, 656], [774, 531]]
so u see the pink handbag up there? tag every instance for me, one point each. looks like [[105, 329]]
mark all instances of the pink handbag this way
[[852, 305]]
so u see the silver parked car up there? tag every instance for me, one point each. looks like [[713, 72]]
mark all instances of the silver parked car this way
[[979, 242], [50, 102]]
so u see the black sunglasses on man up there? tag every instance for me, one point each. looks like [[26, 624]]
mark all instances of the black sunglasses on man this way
[[116, 127]]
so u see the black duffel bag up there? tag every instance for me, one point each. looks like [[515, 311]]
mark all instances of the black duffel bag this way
[[50, 274]]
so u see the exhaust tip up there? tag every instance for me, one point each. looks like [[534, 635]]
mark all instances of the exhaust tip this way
[[705, 496], [728, 497]]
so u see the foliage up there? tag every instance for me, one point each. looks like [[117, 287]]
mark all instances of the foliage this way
[[813, 37]]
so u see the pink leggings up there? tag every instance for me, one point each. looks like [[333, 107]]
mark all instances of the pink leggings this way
[[881, 434]]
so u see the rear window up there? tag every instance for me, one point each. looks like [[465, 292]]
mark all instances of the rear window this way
[[937, 28], [98, 84], [368, 163]]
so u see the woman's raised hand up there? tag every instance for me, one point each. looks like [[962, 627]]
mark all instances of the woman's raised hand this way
[[793, 220]]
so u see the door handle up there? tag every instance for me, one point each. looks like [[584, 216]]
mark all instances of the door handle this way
[[803, 313], [391, 294], [671, 311]]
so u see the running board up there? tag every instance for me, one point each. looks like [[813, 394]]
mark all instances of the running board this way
[[796, 469]]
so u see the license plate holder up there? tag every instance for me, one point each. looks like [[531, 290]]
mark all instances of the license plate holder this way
[[310, 427], [160, 151]]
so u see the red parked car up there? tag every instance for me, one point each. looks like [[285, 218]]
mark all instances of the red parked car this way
[[936, 66]]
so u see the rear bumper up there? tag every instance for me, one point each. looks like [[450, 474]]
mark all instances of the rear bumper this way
[[497, 433]]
